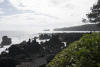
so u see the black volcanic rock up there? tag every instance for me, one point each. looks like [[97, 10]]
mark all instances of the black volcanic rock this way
[[87, 27], [44, 36], [6, 41]]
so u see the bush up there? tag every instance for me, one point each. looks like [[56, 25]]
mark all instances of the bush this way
[[82, 53]]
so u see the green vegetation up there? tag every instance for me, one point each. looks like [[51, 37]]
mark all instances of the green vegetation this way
[[94, 15], [82, 53]]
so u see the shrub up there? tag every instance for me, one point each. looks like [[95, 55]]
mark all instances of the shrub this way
[[82, 53]]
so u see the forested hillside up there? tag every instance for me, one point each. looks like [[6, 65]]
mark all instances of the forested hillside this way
[[87, 27]]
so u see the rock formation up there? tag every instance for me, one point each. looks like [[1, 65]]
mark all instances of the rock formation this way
[[6, 41]]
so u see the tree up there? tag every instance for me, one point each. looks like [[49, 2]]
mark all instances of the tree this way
[[94, 15], [84, 20]]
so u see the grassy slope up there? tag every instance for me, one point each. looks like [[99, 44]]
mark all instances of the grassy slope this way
[[82, 53]]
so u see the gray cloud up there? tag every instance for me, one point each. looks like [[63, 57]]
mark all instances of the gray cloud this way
[[41, 16], [8, 9], [69, 6]]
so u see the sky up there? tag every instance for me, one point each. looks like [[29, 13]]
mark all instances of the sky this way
[[36, 15]]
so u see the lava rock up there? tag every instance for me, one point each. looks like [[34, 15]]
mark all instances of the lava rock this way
[[6, 40]]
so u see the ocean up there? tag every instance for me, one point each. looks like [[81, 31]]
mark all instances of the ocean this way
[[17, 36]]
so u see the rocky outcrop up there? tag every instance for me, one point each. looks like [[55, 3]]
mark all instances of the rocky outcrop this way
[[6, 41]]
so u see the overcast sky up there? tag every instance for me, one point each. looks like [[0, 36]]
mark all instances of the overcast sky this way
[[35, 15]]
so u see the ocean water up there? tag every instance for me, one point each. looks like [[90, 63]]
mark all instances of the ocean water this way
[[17, 36]]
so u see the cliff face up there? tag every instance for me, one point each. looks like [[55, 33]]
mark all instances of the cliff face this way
[[87, 27]]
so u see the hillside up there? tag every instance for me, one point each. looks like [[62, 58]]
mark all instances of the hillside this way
[[82, 53], [87, 27]]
